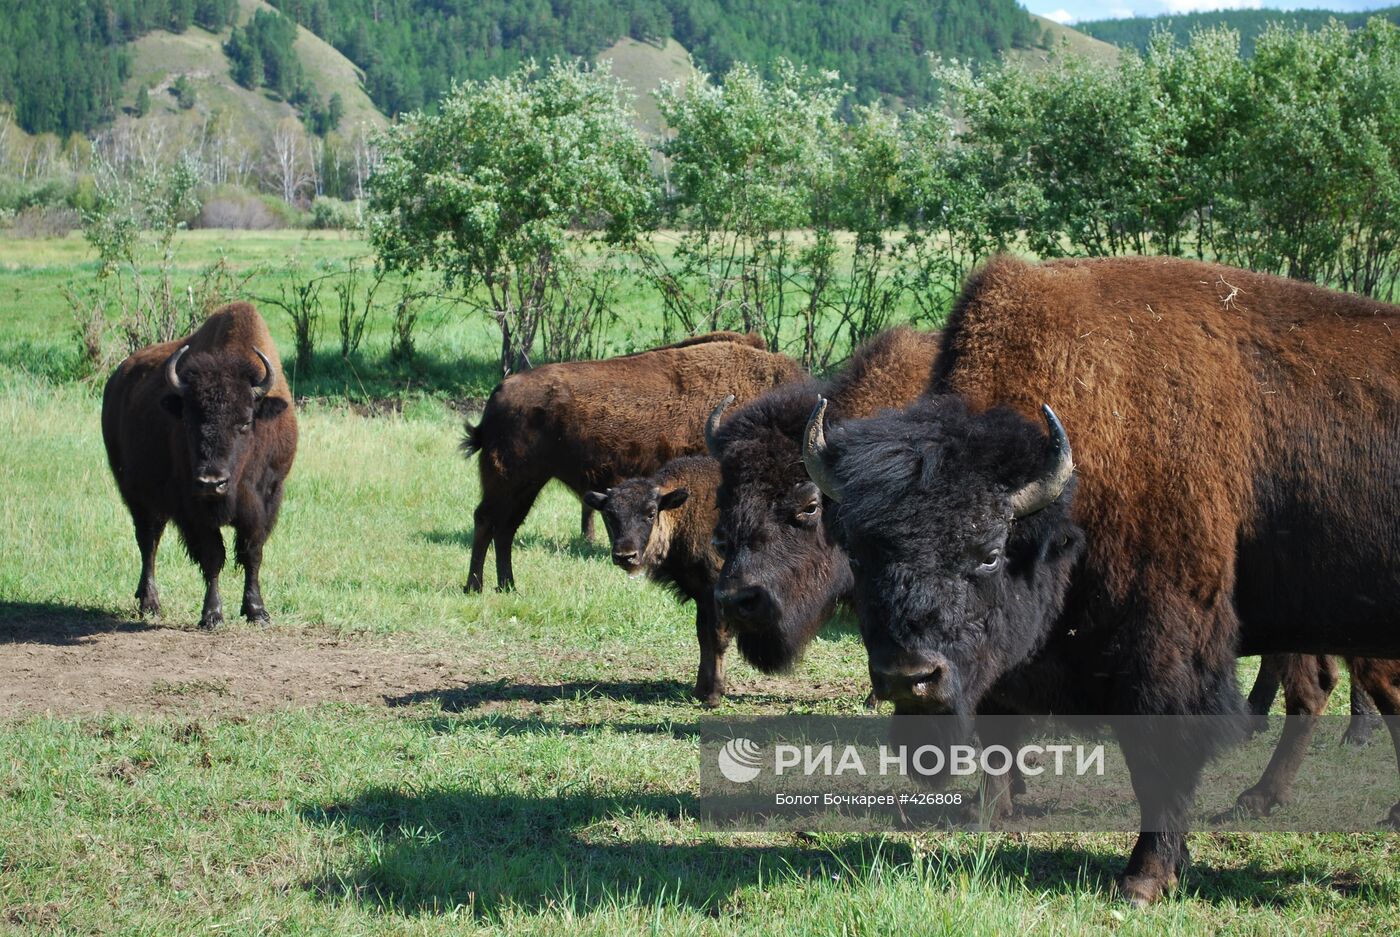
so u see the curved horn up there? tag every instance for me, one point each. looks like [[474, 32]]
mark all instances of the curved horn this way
[[814, 453], [1043, 491], [712, 424], [261, 388], [172, 376]]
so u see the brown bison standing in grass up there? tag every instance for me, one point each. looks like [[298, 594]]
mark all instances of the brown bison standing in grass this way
[[663, 526], [201, 431], [1233, 488], [592, 424]]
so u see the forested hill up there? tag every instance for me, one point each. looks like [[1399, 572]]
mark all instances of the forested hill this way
[[1136, 32], [411, 50]]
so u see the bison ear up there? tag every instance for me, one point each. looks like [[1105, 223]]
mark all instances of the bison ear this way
[[597, 500], [173, 404], [672, 499], [270, 407]]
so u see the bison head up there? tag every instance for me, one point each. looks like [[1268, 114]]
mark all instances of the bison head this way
[[959, 534], [218, 397], [634, 513], [782, 572]]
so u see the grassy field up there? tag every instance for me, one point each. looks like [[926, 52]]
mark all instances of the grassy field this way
[[519, 763]]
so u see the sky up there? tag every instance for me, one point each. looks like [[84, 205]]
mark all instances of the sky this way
[[1070, 11]]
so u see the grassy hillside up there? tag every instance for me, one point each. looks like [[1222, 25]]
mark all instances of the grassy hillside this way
[[159, 58], [1059, 37], [643, 66]]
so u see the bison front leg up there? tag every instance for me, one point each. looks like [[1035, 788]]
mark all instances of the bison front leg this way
[[1365, 718], [1381, 679], [206, 545], [714, 640], [1266, 686], [149, 528], [1164, 777], [1307, 684], [248, 548]]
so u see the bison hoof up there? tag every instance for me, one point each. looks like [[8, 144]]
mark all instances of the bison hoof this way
[[1258, 802], [1393, 821], [473, 587], [1257, 725], [212, 621], [257, 615], [150, 608], [872, 702], [1143, 890], [1358, 733]]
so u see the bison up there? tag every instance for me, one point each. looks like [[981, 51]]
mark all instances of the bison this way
[[201, 431], [1232, 489], [592, 424], [662, 526], [783, 574]]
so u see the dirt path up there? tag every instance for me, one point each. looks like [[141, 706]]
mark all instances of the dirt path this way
[[91, 663]]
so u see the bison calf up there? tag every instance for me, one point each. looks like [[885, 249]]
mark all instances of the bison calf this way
[[201, 431], [662, 526], [592, 424]]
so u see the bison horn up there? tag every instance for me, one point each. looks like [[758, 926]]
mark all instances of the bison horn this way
[[712, 425], [261, 388], [172, 374], [1043, 491], [814, 453]]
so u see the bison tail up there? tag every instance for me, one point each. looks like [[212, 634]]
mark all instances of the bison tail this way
[[471, 440]]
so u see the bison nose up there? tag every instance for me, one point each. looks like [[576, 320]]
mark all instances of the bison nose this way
[[212, 484], [745, 604], [625, 557], [925, 679]]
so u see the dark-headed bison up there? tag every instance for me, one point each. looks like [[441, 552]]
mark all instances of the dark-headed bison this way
[[201, 431], [1223, 478]]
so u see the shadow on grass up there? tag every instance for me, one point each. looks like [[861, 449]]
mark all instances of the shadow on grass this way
[[439, 850], [464, 699], [362, 379], [54, 623]]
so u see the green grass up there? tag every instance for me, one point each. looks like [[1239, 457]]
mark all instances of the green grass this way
[[553, 793]]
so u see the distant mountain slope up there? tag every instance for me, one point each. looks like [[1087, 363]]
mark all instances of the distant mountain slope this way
[[1056, 36], [411, 50], [159, 58], [642, 67], [1135, 32]]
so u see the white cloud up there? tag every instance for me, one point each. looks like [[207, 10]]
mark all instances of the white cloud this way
[[1196, 6], [1061, 16]]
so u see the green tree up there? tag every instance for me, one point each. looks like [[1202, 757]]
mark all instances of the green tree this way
[[143, 101], [487, 190], [183, 89]]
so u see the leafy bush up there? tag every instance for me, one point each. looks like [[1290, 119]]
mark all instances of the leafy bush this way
[[486, 190]]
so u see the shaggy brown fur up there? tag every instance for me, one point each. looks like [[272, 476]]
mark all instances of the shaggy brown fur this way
[[159, 444], [663, 526], [1237, 446], [591, 424], [783, 574]]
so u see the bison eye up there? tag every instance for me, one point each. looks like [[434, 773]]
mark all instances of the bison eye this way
[[719, 541], [245, 427], [990, 560]]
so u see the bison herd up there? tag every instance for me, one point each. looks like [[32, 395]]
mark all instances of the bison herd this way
[[1099, 485]]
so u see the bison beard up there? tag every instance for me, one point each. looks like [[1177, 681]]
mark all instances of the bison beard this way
[[1238, 440]]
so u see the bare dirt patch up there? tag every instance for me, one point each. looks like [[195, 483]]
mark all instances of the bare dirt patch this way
[[89, 663]]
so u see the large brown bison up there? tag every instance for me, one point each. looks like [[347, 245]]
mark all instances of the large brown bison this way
[[783, 574], [662, 526], [592, 424], [1232, 488], [201, 431]]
